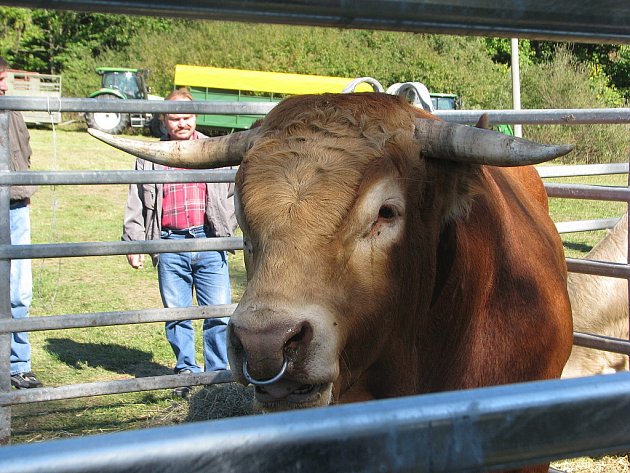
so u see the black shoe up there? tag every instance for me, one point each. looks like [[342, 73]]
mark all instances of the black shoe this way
[[25, 381], [183, 391]]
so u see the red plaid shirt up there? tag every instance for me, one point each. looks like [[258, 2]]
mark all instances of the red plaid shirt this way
[[183, 205]]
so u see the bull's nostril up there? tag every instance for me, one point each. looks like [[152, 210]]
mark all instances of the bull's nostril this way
[[303, 335], [262, 352]]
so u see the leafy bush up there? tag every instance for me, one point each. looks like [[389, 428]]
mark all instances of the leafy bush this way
[[449, 64], [563, 82], [389, 57]]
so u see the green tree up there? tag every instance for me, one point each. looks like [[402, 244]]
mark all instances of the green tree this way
[[608, 60], [389, 57], [15, 24], [45, 40]]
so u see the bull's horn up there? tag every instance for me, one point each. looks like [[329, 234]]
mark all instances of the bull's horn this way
[[451, 141], [215, 152]]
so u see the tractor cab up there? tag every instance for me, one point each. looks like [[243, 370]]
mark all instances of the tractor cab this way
[[123, 82]]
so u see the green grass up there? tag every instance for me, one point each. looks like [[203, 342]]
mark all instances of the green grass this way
[[565, 210], [91, 284]]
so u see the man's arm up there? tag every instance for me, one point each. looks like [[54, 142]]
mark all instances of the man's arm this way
[[133, 223]]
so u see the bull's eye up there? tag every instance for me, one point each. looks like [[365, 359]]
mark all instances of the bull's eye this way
[[387, 215], [387, 212]]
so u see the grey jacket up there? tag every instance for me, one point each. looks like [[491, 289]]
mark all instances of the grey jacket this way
[[20, 154], [143, 214]]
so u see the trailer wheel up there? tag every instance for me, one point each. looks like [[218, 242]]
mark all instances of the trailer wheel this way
[[109, 122]]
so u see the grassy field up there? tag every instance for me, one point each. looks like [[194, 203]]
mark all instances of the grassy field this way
[[80, 285]]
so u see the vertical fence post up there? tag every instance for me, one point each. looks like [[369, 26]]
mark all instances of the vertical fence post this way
[[516, 83], [628, 247], [5, 278]]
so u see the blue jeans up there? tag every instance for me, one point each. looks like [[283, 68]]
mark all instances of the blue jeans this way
[[207, 272], [21, 284]]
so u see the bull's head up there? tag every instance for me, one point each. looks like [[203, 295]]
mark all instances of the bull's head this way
[[331, 190]]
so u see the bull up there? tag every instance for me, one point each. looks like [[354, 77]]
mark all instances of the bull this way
[[388, 253], [600, 305]]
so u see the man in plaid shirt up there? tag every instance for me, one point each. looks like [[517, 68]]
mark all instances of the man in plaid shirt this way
[[179, 211]]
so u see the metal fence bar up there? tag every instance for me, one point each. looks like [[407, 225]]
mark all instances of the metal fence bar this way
[[23, 178], [602, 342], [149, 383], [5, 280], [576, 116], [599, 268], [474, 430], [582, 170], [560, 20], [110, 248], [69, 104], [628, 250], [103, 319], [129, 177], [583, 191], [586, 225]]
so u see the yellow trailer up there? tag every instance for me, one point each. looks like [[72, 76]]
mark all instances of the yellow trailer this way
[[240, 85]]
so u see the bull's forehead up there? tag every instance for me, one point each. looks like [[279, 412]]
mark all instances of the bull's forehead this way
[[303, 184]]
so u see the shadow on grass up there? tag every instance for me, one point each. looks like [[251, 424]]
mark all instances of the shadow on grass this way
[[109, 357], [582, 247]]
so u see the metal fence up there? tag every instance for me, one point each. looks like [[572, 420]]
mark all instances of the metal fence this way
[[10, 397], [476, 430], [559, 20], [466, 431]]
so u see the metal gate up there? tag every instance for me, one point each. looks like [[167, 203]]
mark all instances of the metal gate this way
[[499, 427]]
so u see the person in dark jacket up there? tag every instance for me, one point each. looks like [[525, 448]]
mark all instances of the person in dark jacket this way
[[21, 283]]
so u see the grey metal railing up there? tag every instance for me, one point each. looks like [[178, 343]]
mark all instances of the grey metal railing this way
[[523, 117], [560, 20], [589, 418], [8, 252], [5, 271], [475, 430], [108, 177]]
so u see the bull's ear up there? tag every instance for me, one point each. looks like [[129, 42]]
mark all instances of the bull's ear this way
[[483, 122], [467, 144], [215, 152]]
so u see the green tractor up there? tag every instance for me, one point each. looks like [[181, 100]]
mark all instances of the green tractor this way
[[123, 83]]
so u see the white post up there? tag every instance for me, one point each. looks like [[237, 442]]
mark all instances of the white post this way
[[516, 84]]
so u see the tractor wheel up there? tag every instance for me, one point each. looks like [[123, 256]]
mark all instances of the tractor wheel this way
[[109, 122]]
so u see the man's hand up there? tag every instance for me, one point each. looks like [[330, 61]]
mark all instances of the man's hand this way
[[136, 261]]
